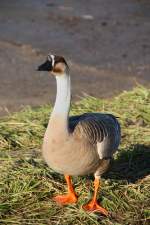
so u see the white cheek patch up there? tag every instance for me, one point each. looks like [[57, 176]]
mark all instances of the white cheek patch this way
[[53, 61]]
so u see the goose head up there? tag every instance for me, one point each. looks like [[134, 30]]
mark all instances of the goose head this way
[[54, 64]]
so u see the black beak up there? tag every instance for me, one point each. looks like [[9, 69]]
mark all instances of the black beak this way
[[47, 66]]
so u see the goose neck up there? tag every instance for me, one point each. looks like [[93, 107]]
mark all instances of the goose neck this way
[[59, 116], [63, 96]]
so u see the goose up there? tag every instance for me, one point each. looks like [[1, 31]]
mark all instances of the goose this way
[[77, 145]]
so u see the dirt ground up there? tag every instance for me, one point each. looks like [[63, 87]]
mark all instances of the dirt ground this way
[[107, 44]]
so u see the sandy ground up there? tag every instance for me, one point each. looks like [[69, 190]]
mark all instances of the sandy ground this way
[[107, 44]]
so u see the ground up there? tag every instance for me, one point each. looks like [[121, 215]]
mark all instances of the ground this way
[[106, 43], [27, 185]]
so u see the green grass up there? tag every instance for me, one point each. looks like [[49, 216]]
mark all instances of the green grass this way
[[27, 184]]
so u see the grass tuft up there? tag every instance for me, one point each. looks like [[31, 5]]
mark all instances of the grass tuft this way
[[27, 184]]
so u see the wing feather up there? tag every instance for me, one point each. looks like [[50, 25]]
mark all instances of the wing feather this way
[[95, 127]]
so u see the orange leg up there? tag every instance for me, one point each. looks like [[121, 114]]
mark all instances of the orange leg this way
[[93, 205], [69, 198]]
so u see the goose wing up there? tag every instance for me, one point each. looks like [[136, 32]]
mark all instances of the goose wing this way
[[98, 129], [74, 120]]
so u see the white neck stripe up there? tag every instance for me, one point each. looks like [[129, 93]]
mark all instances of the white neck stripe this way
[[53, 61], [62, 103]]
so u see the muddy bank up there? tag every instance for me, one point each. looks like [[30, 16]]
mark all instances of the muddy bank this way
[[107, 44]]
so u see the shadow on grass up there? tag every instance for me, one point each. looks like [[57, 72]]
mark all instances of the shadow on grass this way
[[131, 164]]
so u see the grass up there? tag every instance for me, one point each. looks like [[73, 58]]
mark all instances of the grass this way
[[27, 184]]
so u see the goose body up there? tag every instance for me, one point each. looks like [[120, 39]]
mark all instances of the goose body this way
[[77, 145], [92, 138]]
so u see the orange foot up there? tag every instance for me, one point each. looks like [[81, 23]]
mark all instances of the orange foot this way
[[93, 206], [65, 199]]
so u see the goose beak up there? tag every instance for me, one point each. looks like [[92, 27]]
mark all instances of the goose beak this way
[[46, 66]]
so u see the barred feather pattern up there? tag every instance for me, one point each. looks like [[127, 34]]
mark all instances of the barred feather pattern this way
[[97, 128]]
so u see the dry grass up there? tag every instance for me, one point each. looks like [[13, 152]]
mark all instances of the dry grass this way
[[27, 184]]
